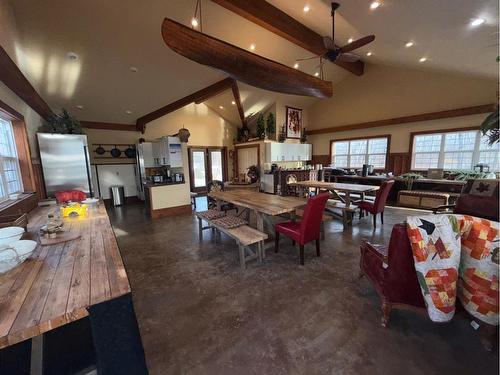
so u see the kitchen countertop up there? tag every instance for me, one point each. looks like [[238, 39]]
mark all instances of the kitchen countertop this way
[[153, 184]]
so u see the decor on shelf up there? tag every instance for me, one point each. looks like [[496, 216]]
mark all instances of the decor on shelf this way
[[183, 135], [62, 123], [270, 124], [489, 127], [293, 122], [261, 126], [409, 179], [253, 173], [113, 151], [303, 136], [282, 134]]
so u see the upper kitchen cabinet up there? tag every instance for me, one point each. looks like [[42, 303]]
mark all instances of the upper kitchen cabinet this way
[[167, 151], [276, 152]]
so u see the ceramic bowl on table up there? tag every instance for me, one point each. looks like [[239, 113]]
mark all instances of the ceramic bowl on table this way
[[10, 234], [15, 253]]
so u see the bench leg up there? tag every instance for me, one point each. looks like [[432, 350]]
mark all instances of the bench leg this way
[[262, 251], [382, 217], [200, 230], [318, 253], [301, 255], [241, 251], [277, 242]]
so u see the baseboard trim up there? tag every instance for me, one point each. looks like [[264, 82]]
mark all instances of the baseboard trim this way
[[171, 211]]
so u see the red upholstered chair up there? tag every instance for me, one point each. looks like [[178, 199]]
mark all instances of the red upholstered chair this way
[[70, 195], [392, 272], [378, 205], [306, 230]]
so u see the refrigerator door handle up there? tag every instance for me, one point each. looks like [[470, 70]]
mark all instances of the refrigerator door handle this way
[[87, 167]]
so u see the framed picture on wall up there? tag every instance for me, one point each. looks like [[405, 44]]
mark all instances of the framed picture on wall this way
[[293, 122]]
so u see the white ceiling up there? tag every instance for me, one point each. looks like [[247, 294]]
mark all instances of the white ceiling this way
[[110, 36]]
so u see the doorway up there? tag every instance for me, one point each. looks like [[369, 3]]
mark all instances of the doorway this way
[[206, 164]]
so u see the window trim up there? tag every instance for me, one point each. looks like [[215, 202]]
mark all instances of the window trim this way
[[437, 131], [388, 136]]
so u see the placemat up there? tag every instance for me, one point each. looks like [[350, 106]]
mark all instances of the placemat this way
[[229, 222], [211, 214]]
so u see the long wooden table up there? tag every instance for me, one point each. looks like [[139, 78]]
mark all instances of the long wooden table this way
[[59, 283], [262, 204], [335, 188]]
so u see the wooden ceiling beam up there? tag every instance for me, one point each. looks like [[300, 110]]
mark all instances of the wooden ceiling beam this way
[[239, 105], [467, 111], [107, 126], [275, 20], [197, 97], [15, 80]]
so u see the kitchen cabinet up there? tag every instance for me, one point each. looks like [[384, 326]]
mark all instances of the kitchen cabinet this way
[[167, 151], [276, 152]]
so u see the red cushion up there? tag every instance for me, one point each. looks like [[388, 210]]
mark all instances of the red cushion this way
[[289, 229], [70, 195]]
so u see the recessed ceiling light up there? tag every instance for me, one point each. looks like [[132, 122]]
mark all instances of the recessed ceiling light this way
[[233, 102], [79, 106], [194, 22], [477, 22], [221, 107], [128, 112], [316, 74], [369, 53], [423, 59], [72, 56], [296, 66], [350, 40], [409, 44], [134, 69], [252, 47], [375, 4], [306, 9]]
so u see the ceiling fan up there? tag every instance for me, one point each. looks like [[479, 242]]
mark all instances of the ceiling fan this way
[[334, 53]]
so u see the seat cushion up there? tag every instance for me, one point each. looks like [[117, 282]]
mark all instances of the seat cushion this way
[[290, 229]]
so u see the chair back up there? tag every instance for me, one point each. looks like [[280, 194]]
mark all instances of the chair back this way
[[70, 195], [479, 198], [310, 225], [382, 194], [214, 185]]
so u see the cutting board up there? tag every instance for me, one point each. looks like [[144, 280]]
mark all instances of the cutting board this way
[[61, 237]]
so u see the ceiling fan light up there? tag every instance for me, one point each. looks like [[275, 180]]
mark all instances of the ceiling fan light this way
[[477, 22], [194, 22], [375, 5]]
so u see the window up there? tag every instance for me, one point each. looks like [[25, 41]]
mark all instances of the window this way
[[356, 152], [9, 165], [453, 151]]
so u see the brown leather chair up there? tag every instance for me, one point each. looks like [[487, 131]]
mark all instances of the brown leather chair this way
[[478, 198]]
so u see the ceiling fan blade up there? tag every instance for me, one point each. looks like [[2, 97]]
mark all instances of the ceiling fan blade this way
[[348, 57], [328, 42], [308, 58], [357, 43]]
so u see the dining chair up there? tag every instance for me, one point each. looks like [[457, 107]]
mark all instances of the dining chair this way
[[216, 185], [307, 229], [378, 205]]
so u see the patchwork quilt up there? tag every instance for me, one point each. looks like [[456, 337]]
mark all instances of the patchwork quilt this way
[[457, 256]]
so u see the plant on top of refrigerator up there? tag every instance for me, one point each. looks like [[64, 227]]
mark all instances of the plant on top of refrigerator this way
[[261, 126], [62, 123]]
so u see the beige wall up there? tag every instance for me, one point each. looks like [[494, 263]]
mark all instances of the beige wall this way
[[385, 92]]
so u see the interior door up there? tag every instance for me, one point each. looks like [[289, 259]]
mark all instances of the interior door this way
[[198, 169]]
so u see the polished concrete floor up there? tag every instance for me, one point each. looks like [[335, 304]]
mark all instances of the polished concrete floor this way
[[200, 314]]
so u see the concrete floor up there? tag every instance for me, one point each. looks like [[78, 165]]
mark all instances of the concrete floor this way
[[199, 314]]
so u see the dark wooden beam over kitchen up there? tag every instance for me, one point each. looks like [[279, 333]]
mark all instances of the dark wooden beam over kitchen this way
[[275, 20], [107, 126], [237, 99], [15, 80], [197, 97]]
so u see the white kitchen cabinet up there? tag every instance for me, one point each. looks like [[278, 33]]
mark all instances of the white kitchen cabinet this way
[[158, 153], [276, 152]]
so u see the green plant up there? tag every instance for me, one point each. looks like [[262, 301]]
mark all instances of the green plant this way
[[261, 126], [489, 127], [62, 123], [282, 135], [409, 179], [303, 136], [270, 123], [464, 175]]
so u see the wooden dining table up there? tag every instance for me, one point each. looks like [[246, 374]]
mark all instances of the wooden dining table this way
[[335, 188], [263, 205]]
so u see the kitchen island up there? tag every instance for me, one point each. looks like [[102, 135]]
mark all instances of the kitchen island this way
[[167, 199]]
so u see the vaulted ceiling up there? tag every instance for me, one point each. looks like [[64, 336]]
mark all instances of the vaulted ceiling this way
[[111, 36]]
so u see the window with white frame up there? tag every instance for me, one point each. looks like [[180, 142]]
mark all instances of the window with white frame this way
[[453, 151], [10, 175], [356, 152]]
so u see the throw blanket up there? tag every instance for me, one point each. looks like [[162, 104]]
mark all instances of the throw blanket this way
[[457, 255]]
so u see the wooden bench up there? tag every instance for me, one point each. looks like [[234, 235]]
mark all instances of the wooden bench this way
[[424, 199], [244, 235]]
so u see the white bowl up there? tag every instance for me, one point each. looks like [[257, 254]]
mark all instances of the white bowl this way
[[10, 234], [15, 253]]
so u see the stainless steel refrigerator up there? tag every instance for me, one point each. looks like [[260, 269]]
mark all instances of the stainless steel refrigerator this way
[[144, 159], [65, 163]]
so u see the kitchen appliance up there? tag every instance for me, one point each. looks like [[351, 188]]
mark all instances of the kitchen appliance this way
[[65, 163], [144, 159], [178, 177], [158, 178], [367, 170]]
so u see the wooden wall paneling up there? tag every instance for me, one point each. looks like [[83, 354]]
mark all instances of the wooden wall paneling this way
[[24, 155], [398, 163], [321, 159], [14, 79], [487, 108]]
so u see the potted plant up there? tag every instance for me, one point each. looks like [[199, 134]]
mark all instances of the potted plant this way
[[62, 123], [489, 127], [303, 136], [261, 126], [282, 135], [270, 124]]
